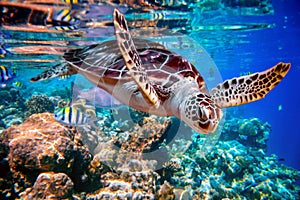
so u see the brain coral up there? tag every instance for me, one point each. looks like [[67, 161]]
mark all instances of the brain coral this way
[[39, 104]]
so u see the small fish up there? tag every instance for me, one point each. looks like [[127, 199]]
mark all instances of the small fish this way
[[62, 77], [62, 16], [71, 1], [243, 137], [248, 185], [211, 76], [279, 107], [70, 116], [18, 85], [158, 16], [3, 51], [65, 28], [6, 74], [245, 73], [281, 159]]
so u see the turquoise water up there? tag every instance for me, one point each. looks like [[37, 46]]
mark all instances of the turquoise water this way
[[223, 39]]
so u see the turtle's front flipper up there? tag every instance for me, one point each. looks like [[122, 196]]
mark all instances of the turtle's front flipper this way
[[132, 58], [60, 69], [248, 88]]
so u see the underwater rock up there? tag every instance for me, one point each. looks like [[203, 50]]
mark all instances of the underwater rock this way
[[50, 186], [64, 92], [254, 133], [39, 104], [88, 137], [41, 144]]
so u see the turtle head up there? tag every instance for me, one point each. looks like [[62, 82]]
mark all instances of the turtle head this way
[[201, 113]]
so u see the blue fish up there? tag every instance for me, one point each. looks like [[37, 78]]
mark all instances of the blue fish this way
[[6, 75], [70, 116], [3, 51]]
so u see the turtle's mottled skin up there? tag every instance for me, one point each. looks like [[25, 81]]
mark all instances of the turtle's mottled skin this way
[[148, 77]]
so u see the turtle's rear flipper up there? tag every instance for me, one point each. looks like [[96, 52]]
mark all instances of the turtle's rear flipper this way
[[55, 71], [248, 88], [132, 59]]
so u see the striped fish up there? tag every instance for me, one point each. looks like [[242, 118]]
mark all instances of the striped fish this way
[[66, 28], [71, 1], [63, 20], [18, 85], [64, 16], [71, 116], [64, 77]]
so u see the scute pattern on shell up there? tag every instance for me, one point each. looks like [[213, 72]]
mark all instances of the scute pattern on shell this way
[[164, 68]]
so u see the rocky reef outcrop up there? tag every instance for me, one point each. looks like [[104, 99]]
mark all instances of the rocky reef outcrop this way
[[42, 145], [45, 159]]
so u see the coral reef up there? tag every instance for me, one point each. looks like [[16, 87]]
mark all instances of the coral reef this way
[[14, 109], [249, 132], [143, 138], [82, 105], [41, 154], [64, 92], [39, 104], [6, 181], [131, 181], [235, 169], [42, 159], [11, 107]]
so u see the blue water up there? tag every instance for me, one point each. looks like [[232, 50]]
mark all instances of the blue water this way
[[262, 49], [238, 43]]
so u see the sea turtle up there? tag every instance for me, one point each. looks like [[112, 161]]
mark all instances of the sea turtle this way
[[148, 77]]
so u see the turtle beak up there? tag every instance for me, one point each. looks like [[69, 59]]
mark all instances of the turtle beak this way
[[201, 114], [209, 119]]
